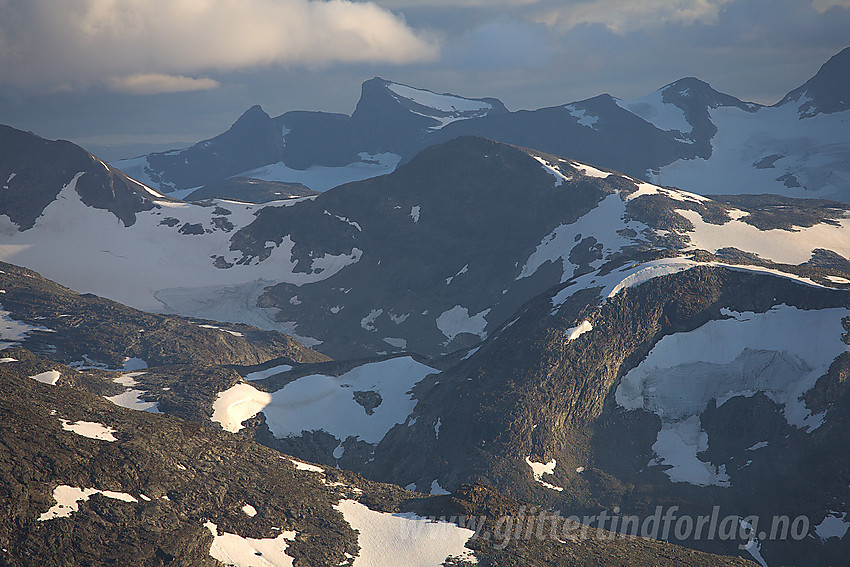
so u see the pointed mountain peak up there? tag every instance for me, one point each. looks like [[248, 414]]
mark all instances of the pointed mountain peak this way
[[254, 113], [827, 92], [434, 110]]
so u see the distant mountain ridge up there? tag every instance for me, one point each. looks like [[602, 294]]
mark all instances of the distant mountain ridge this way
[[685, 134]]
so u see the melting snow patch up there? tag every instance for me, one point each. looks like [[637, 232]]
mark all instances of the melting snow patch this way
[[437, 490], [131, 400], [591, 171], [368, 322], [577, 331], [327, 403], [457, 320], [234, 550], [582, 116], [49, 377], [90, 429], [322, 178], [306, 466], [781, 246], [463, 270], [396, 342], [68, 500], [757, 446], [556, 173], [677, 445], [249, 510], [238, 403], [404, 540], [539, 469], [234, 333], [8, 359], [834, 525], [650, 270], [838, 279], [131, 364], [14, 331], [414, 213], [261, 374]]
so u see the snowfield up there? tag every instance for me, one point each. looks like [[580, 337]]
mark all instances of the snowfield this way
[[752, 152], [76, 244], [780, 353], [318, 402], [404, 540]]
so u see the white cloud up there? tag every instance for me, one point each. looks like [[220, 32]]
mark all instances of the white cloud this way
[[156, 83], [78, 42], [622, 16], [821, 6]]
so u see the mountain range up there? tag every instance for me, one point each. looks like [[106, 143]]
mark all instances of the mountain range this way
[[497, 327], [685, 134]]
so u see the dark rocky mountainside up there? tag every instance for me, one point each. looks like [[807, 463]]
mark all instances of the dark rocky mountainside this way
[[477, 229], [826, 92], [88, 482], [71, 327], [29, 186]]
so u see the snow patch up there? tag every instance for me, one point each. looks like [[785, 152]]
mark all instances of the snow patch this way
[[414, 213], [781, 246], [835, 524], [234, 333], [322, 178], [677, 445], [249, 510], [591, 171], [238, 403], [261, 374], [582, 116], [662, 115], [457, 320], [404, 540], [90, 429], [556, 173], [396, 342], [575, 332], [368, 322], [232, 549], [50, 377], [13, 331], [301, 466], [318, 402], [68, 500], [539, 469], [131, 399], [131, 364]]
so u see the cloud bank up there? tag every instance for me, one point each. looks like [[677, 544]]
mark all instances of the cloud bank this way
[[157, 45], [622, 16]]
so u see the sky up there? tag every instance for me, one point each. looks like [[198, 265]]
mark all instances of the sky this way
[[117, 72]]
